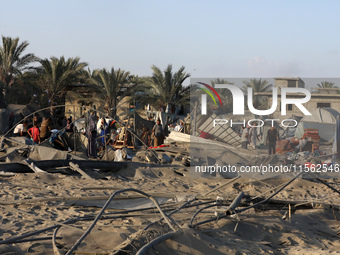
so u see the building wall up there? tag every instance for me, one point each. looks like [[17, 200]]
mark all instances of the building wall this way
[[281, 83], [290, 82], [92, 100], [310, 106]]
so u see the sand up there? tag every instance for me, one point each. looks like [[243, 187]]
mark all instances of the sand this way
[[34, 201]]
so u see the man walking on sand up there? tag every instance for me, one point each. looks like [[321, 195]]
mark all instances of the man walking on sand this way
[[272, 137]]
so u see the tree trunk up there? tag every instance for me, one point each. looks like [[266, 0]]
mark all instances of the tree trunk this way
[[114, 112]]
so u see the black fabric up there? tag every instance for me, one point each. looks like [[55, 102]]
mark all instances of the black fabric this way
[[272, 135], [271, 147], [142, 124]]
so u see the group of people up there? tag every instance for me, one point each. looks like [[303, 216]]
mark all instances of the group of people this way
[[35, 128], [249, 136], [156, 134], [102, 133], [97, 132]]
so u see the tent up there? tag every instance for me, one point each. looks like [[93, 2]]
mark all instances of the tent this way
[[19, 111], [323, 119], [290, 131]]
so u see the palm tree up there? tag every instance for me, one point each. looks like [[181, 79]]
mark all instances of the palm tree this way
[[166, 88], [2, 100], [258, 85], [114, 85], [56, 74], [326, 84], [12, 63], [25, 90], [225, 94]]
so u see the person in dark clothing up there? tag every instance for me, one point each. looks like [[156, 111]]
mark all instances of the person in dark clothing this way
[[103, 131], [69, 126], [272, 137], [64, 122], [91, 133], [158, 134]]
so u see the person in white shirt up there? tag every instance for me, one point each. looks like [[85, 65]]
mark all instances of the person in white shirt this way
[[245, 138], [179, 127], [20, 129]]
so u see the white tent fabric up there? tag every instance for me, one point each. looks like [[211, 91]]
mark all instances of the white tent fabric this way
[[290, 131], [336, 141], [323, 119]]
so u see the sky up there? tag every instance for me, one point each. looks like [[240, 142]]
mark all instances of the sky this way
[[210, 38]]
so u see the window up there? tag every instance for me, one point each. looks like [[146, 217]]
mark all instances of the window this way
[[289, 107], [323, 105]]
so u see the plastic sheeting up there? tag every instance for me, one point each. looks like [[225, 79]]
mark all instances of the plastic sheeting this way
[[143, 123], [46, 153]]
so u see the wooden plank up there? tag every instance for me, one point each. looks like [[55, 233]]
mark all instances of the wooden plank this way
[[76, 168], [34, 167]]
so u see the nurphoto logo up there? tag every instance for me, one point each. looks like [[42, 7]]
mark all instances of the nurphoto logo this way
[[238, 99]]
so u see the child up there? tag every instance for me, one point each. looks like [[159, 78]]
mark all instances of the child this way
[[34, 133]]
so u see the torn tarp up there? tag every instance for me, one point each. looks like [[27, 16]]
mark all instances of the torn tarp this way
[[46, 153]]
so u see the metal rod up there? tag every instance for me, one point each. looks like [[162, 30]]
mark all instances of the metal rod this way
[[78, 242]]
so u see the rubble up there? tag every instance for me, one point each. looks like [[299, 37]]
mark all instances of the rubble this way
[[126, 201]]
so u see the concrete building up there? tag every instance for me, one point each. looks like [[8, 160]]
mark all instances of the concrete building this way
[[81, 95], [289, 82], [86, 96], [320, 97]]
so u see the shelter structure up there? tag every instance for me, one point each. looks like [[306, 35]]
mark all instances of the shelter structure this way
[[323, 119]]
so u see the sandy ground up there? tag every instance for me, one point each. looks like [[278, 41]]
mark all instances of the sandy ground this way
[[31, 202]]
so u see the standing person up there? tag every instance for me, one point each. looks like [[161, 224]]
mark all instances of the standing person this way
[[272, 137], [103, 131], [64, 122], [34, 133], [244, 137], [158, 133], [253, 137], [37, 119], [91, 133], [45, 129]]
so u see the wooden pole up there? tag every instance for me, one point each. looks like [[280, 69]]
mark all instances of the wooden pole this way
[[106, 152], [74, 132], [194, 119]]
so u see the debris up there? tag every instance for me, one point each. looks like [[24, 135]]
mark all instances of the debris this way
[[76, 168], [34, 167]]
